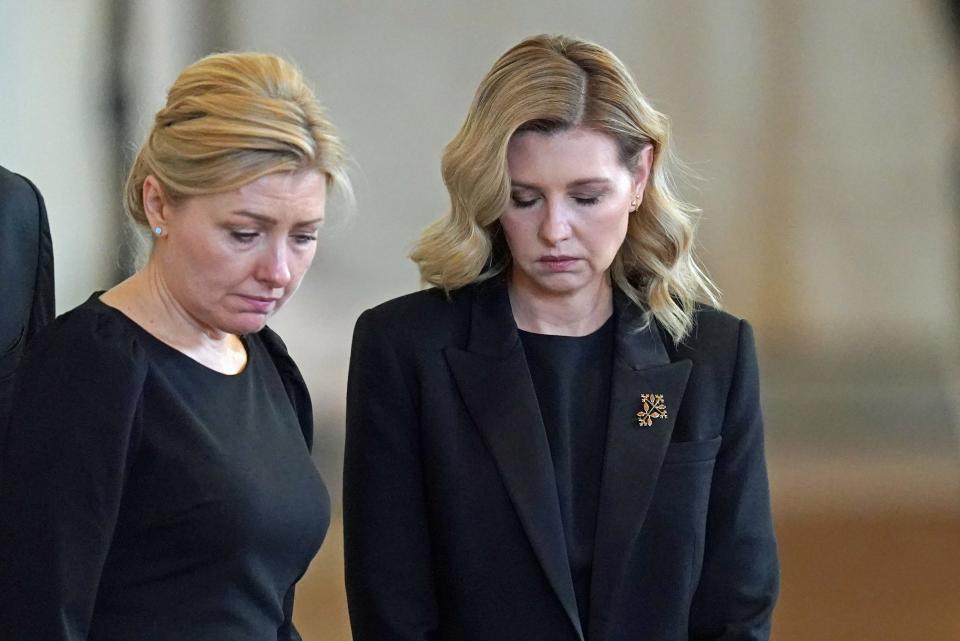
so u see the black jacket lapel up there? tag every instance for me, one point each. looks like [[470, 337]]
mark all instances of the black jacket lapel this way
[[494, 380], [634, 451]]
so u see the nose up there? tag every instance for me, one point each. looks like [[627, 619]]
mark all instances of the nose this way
[[273, 268], [555, 224]]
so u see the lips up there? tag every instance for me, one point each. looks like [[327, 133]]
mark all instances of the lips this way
[[557, 263], [259, 304]]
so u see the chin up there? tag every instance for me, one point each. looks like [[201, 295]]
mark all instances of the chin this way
[[560, 284], [245, 324]]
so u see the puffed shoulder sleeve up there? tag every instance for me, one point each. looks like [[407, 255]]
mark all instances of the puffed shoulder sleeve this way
[[64, 459], [389, 569], [293, 383], [739, 583]]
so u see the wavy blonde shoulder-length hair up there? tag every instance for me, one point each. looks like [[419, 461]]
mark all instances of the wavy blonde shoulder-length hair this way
[[551, 83]]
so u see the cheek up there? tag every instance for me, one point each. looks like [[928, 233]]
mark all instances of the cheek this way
[[216, 269], [509, 229], [514, 231], [199, 264], [622, 227], [227, 277], [612, 229]]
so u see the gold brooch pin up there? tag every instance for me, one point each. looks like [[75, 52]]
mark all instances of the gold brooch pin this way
[[653, 407]]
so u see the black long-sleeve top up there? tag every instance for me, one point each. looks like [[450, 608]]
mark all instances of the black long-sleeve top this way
[[146, 497], [571, 376]]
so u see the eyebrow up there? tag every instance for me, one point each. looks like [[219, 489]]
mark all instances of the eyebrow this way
[[272, 221], [583, 182]]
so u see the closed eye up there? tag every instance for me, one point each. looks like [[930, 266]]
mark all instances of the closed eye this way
[[592, 200], [244, 237], [523, 203], [304, 239]]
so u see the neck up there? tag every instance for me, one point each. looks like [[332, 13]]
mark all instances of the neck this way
[[565, 314], [148, 301]]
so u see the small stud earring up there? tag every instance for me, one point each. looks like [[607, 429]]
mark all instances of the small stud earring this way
[[635, 203], [158, 230]]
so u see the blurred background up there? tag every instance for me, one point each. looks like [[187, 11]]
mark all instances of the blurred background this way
[[824, 133]]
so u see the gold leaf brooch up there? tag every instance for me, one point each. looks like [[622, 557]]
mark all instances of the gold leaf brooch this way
[[653, 407]]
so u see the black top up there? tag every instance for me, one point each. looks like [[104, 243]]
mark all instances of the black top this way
[[571, 376], [147, 497]]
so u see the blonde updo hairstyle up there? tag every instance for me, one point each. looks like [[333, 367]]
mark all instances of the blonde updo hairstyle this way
[[548, 84], [231, 118]]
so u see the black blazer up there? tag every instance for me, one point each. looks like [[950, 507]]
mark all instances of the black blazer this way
[[451, 518], [26, 274]]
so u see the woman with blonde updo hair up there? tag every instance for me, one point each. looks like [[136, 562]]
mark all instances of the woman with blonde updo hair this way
[[561, 439], [156, 480]]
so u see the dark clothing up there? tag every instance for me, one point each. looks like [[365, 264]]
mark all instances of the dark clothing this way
[[453, 528], [571, 376], [26, 275], [146, 497]]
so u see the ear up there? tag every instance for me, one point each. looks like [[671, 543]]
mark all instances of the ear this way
[[641, 173], [156, 205]]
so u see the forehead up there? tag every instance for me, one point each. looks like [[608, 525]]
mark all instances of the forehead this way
[[293, 197], [306, 186], [285, 199], [567, 153]]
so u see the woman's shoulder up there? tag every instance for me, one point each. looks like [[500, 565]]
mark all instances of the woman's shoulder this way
[[86, 365], [424, 322], [710, 321], [721, 351], [291, 379], [716, 335], [276, 350], [423, 312], [432, 301], [92, 335]]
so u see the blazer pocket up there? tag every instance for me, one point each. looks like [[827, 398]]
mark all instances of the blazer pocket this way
[[692, 451]]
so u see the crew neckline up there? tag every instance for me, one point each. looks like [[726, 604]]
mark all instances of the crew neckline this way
[[102, 306], [606, 326]]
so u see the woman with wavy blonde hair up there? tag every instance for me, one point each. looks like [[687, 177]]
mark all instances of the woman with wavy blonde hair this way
[[550, 86], [562, 439], [156, 480]]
